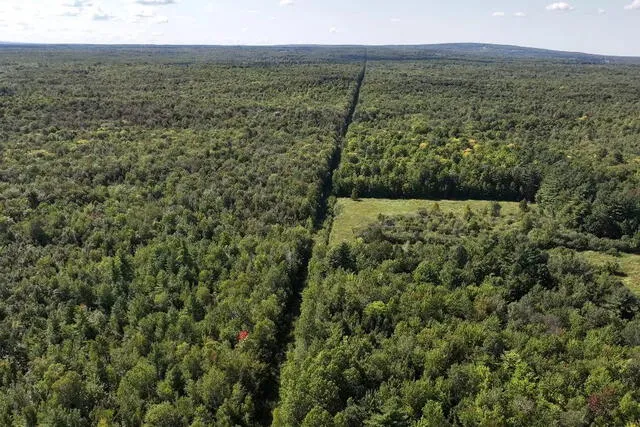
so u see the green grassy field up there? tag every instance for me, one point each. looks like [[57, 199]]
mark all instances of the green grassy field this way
[[629, 265], [354, 215]]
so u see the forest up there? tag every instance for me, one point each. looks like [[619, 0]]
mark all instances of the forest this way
[[439, 319], [561, 134], [155, 220], [166, 247]]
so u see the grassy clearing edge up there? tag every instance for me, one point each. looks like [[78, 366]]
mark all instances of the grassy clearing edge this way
[[629, 265], [352, 215]]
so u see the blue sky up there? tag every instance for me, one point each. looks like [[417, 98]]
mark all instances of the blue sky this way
[[595, 26]]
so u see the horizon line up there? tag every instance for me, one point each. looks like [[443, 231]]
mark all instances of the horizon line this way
[[335, 45]]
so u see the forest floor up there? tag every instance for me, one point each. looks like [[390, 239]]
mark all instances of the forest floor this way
[[629, 267], [351, 215]]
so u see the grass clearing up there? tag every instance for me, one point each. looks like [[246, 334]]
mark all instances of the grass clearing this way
[[629, 266], [352, 215]]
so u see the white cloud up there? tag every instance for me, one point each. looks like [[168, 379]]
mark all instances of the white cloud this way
[[72, 8], [333, 30], [395, 20], [144, 13], [520, 14], [77, 3], [155, 2], [140, 15], [13, 14], [70, 13], [601, 11], [497, 14], [560, 6], [286, 2], [634, 5], [100, 15]]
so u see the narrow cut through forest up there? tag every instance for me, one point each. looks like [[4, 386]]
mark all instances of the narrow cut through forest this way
[[293, 305], [336, 158]]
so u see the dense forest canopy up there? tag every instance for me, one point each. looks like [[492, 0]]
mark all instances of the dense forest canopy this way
[[154, 220], [438, 319], [565, 135], [162, 209]]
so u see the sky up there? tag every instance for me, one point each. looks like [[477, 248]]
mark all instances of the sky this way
[[595, 26]]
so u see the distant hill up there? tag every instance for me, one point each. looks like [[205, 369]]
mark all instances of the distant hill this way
[[461, 51], [491, 51]]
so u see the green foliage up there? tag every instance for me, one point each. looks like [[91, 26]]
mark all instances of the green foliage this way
[[341, 257], [152, 207], [157, 211], [163, 415], [462, 322], [450, 128]]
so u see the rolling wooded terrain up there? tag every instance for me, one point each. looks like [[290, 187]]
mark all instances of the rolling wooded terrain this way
[[165, 224]]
